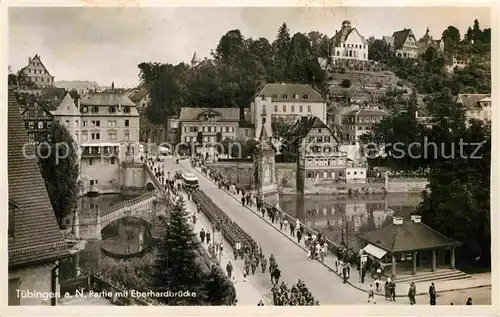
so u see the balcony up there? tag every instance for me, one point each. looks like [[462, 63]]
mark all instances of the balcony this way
[[98, 151]]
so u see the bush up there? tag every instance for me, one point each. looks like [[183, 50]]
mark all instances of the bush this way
[[346, 83]]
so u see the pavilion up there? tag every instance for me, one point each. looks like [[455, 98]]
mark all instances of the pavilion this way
[[411, 240]]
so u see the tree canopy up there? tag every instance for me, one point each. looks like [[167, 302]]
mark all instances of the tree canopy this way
[[59, 166]]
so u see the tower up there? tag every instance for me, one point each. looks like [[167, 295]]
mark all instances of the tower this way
[[265, 170]]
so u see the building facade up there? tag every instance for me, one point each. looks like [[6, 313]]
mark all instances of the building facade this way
[[403, 43], [37, 122], [477, 106], [109, 136], [427, 41], [35, 242], [317, 152], [349, 44], [68, 115], [36, 73], [285, 101], [359, 122], [141, 99]]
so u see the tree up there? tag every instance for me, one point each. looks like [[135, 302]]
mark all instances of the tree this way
[[451, 36], [469, 36], [230, 48], [477, 34], [378, 50], [346, 83], [176, 267], [59, 167], [280, 126], [219, 289], [280, 48]]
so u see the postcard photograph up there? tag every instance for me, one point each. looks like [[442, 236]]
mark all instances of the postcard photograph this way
[[249, 156]]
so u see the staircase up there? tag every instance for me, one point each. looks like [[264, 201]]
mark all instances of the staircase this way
[[440, 275]]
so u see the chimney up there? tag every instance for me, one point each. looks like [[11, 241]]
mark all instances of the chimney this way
[[397, 220], [113, 86], [29, 60], [242, 114], [416, 218]]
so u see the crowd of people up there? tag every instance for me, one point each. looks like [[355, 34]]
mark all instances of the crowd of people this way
[[297, 295]]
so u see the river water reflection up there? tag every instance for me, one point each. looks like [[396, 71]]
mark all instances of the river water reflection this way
[[341, 217]]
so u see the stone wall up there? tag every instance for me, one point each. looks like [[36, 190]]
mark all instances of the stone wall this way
[[133, 177], [286, 178], [406, 184], [35, 278]]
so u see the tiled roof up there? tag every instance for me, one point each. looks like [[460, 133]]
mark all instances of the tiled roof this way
[[389, 40], [367, 112], [138, 95], [338, 39], [470, 100], [287, 92], [51, 97], [35, 109], [304, 125], [108, 98], [67, 107], [409, 236], [226, 114], [37, 238], [400, 37]]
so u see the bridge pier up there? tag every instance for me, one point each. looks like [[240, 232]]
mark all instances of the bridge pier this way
[[90, 226]]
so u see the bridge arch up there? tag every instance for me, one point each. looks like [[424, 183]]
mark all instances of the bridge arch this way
[[150, 186]]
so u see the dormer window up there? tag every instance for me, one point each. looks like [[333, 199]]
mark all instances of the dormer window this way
[[296, 96], [306, 96], [126, 110], [275, 96], [85, 109], [112, 109], [285, 96], [95, 109]]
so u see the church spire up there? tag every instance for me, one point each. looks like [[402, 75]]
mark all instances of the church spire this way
[[263, 134]]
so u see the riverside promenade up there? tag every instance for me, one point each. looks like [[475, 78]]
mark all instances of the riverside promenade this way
[[467, 287]]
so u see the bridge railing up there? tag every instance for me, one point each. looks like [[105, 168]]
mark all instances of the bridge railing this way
[[129, 202], [153, 176]]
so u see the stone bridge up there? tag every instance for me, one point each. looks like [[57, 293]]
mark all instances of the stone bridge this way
[[147, 207], [151, 181]]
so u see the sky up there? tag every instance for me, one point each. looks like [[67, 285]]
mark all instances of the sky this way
[[106, 44]]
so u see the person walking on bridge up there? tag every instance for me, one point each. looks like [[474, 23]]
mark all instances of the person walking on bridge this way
[[263, 264], [275, 276], [208, 237]]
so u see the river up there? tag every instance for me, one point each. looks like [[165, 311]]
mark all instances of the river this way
[[121, 239], [341, 217]]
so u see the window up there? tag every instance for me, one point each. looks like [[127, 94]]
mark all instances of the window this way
[[111, 123], [264, 120], [275, 96], [14, 285], [301, 108], [127, 136], [76, 137], [95, 109], [95, 123], [91, 162], [263, 108], [284, 108], [66, 124], [112, 161], [348, 173], [343, 45], [91, 181], [187, 139], [31, 137], [95, 136], [127, 123], [231, 129], [293, 108], [112, 109], [246, 132], [76, 123], [126, 109], [275, 108], [31, 124], [112, 135], [309, 109], [355, 173], [285, 96], [85, 136], [40, 124], [84, 123]]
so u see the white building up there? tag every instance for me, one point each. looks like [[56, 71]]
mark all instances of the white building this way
[[288, 101], [68, 115], [349, 44], [477, 106], [109, 136]]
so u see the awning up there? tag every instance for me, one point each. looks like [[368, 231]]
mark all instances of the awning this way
[[375, 251]]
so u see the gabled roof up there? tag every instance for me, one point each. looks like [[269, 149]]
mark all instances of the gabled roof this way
[[37, 238], [409, 236], [67, 107], [107, 98], [389, 40], [35, 109], [340, 37], [400, 37], [51, 97], [226, 114], [303, 126], [138, 95], [287, 92], [40, 61], [470, 100], [367, 112]]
